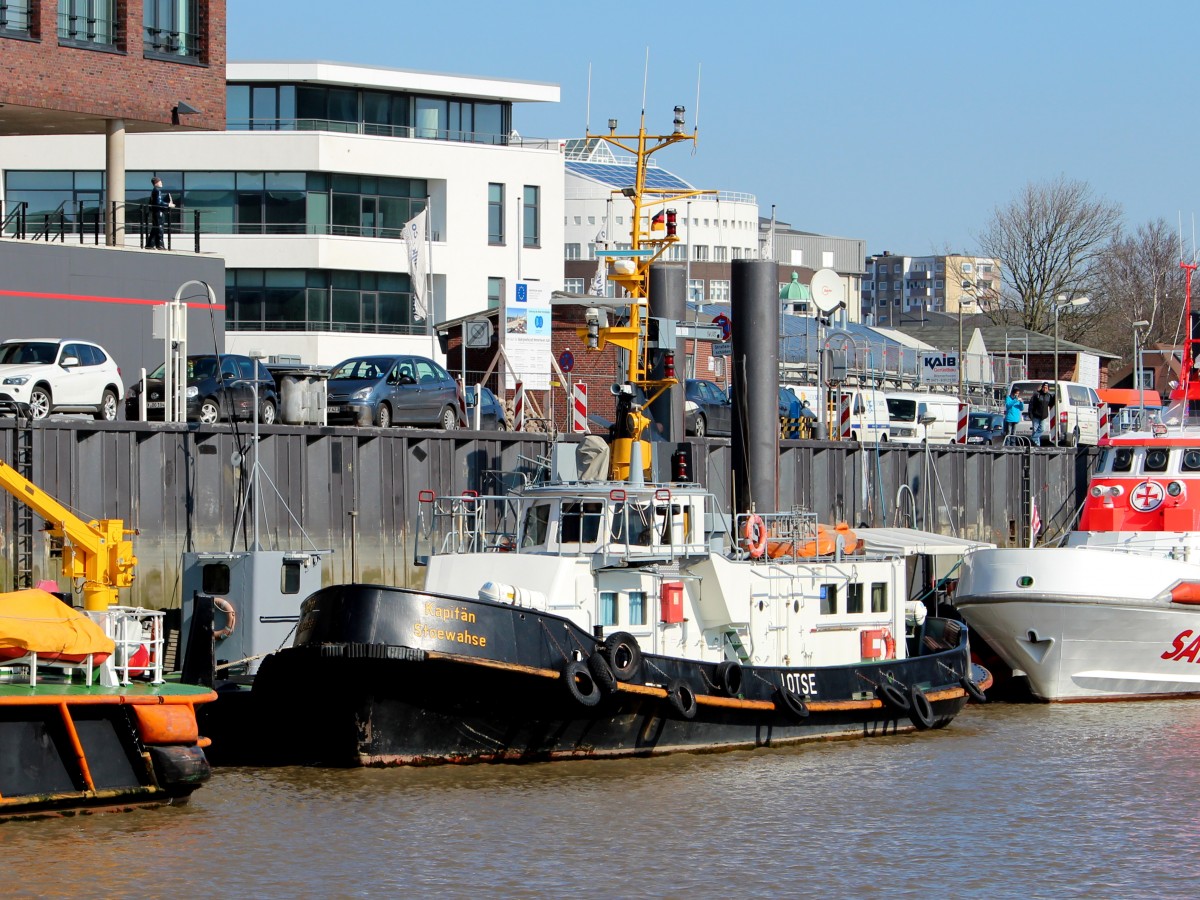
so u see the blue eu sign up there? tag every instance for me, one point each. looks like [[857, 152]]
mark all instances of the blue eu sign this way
[[522, 293]]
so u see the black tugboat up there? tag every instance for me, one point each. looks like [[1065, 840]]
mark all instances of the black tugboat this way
[[583, 618]]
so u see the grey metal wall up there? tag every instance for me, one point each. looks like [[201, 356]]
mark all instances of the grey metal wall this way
[[355, 492], [105, 294]]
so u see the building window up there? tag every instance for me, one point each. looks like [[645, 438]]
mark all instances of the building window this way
[[720, 254], [85, 22], [879, 600], [14, 17], [320, 300], [573, 251], [677, 253], [883, 285], [718, 291], [897, 267], [735, 252], [637, 607], [573, 285], [530, 236], [171, 29], [939, 284], [985, 269], [495, 213], [700, 252], [608, 607], [495, 292], [966, 267], [696, 290]]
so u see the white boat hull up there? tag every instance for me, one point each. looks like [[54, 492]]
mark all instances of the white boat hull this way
[[1084, 623]]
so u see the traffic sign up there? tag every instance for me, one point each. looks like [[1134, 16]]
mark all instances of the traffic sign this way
[[700, 332], [566, 361], [722, 321], [722, 349], [478, 334]]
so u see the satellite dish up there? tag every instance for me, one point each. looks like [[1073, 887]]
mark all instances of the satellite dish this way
[[828, 292]]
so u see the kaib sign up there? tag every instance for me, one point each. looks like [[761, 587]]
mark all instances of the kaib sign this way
[[939, 368]]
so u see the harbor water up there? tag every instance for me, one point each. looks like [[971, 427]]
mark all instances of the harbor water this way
[[1012, 800]]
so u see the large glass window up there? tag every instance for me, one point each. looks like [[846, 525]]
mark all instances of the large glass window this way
[[530, 235], [14, 17], [85, 21], [495, 213], [317, 300], [495, 292], [171, 29]]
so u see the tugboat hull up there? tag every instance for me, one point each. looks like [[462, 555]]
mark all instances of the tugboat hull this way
[[390, 676]]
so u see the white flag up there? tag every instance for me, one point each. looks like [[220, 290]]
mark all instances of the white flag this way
[[600, 279], [414, 240]]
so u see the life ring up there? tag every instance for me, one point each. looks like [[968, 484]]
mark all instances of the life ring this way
[[921, 711], [682, 699], [892, 696], [580, 684], [230, 618], [624, 655], [755, 534], [793, 703], [728, 677]]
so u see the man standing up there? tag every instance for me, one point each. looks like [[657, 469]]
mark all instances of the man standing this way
[[1040, 406], [159, 201]]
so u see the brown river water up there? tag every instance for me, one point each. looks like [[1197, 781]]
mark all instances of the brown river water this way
[[1012, 800]]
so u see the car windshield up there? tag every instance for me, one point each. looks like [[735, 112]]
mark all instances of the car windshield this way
[[28, 353], [358, 369], [981, 421], [199, 367], [902, 410]]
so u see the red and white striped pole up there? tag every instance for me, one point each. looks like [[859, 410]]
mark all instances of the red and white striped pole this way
[[964, 415], [844, 429], [519, 408], [579, 407], [1105, 425], [462, 403]]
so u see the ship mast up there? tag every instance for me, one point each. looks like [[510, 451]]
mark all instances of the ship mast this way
[[1188, 391]]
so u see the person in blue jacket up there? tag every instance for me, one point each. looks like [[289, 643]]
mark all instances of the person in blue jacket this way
[[1013, 407]]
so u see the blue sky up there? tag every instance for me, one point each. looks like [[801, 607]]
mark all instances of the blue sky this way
[[901, 123]]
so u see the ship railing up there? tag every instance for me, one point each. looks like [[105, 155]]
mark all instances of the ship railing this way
[[140, 645], [796, 534]]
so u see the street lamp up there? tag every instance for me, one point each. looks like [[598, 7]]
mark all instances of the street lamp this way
[[967, 287], [1063, 303]]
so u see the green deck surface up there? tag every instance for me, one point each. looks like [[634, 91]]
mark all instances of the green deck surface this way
[[47, 688]]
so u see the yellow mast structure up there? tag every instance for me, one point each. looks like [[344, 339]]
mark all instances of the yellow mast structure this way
[[632, 274]]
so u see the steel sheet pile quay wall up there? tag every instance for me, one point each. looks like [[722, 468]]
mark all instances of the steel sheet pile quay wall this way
[[355, 491]]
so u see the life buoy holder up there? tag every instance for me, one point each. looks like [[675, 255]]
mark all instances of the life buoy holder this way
[[220, 603], [754, 533]]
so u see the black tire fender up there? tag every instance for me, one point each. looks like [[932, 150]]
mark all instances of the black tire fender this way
[[602, 673], [728, 677], [892, 696], [624, 655], [921, 710], [682, 699], [792, 703], [974, 691], [580, 684]]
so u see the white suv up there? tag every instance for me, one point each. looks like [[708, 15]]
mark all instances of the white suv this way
[[47, 375]]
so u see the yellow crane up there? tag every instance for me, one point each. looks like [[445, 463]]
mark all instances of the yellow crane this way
[[97, 552], [633, 279]]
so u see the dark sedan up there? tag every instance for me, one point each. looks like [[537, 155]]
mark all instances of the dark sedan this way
[[706, 409], [985, 428], [218, 387], [491, 412], [382, 390]]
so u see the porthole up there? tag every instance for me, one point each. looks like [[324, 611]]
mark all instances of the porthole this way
[[761, 606], [795, 606]]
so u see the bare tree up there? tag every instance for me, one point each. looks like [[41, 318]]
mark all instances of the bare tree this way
[[1050, 241]]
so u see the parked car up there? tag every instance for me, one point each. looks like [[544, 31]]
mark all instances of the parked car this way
[[985, 428], [386, 390], [706, 409], [218, 387], [908, 409], [491, 413], [49, 375]]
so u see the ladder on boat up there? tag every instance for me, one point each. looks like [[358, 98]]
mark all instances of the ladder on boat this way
[[733, 640], [22, 512]]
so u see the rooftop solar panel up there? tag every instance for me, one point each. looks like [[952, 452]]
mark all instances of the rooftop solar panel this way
[[619, 176]]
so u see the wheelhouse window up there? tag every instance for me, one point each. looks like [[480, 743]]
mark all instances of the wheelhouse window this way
[[1156, 459], [171, 29], [879, 597], [1191, 460], [829, 599], [637, 607], [854, 598], [1122, 460], [14, 17], [608, 607], [85, 22]]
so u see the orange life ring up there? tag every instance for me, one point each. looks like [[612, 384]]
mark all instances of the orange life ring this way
[[755, 534], [231, 618]]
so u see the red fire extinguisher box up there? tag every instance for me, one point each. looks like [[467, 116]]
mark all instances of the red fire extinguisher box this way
[[671, 602]]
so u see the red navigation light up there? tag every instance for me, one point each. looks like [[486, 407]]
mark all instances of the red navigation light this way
[[672, 223], [668, 365]]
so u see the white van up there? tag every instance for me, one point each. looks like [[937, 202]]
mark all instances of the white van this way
[[869, 419], [908, 408], [1075, 418]]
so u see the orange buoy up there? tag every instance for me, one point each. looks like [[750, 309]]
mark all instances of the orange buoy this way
[[755, 534], [1186, 592]]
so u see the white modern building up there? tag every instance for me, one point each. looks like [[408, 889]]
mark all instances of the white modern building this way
[[307, 193]]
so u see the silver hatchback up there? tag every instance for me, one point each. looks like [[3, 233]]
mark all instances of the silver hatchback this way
[[387, 390]]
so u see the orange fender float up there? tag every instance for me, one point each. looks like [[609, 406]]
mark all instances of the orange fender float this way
[[754, 534]]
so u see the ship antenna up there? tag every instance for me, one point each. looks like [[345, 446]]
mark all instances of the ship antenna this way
[[645, 81], [696, 129], [587, 115]]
